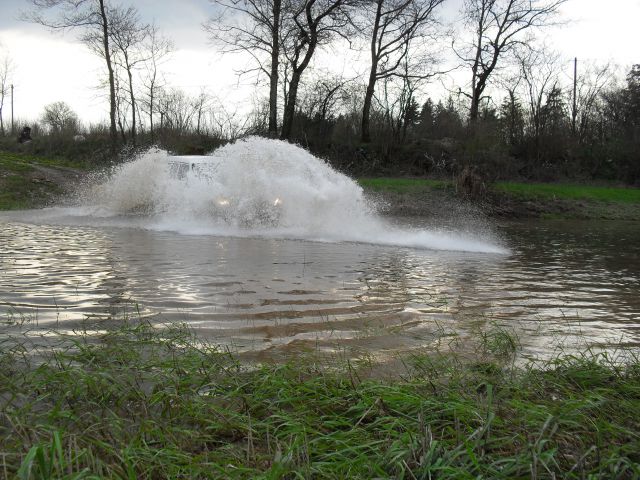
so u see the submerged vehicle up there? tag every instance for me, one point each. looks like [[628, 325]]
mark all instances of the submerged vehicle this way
[[238, 207]]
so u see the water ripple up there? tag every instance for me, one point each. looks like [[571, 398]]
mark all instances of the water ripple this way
[[278, 296]]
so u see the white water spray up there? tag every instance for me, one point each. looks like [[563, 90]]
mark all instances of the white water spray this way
[[256, 187]]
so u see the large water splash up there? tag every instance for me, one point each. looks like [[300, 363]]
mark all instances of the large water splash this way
[[256, 187]]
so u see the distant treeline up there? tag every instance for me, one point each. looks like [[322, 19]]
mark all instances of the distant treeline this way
[[542, 137], [518, 116], [516, 139]]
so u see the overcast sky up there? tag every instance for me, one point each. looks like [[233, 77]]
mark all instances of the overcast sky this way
[[52, 67]]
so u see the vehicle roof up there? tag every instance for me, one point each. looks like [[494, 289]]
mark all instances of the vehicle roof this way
[[189, 158]]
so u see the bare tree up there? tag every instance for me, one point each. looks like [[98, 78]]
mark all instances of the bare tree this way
[[511, 111], [498, 26], [252, 27], [258, 118], [396, 104], [156, 48], [60, 118], [91, 18], [313, 23], [229, 124], [128, 34], [178, 110], [200, 104], [395, 24], [539, 72], [323, 97], [6, 69], [589, 88], [121, 113]]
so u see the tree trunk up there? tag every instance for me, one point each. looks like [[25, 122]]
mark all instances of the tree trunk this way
[[405, 123], [289, 112], [512, 127], [133, 105], [152, 89], [122, 133], [479, 85], [1, 107], [273, 79], [298, 68], [371, 86], [366, 109], [151, 115], [475, 90], [475, 105], [112, 84], [292, 97]]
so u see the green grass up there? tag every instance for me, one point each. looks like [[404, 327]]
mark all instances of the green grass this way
[[20, 162], [402, 185], [20, 192], [571, 192], [14, 191], [157, 403], [525, 190], [20, 186]]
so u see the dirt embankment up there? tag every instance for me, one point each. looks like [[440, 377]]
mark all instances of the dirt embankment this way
[[29, 184], [445, 203], [500, 204], [433, 203], [32, 182], [65, 178]]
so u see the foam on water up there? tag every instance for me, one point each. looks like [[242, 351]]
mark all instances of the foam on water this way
[[255, 187]]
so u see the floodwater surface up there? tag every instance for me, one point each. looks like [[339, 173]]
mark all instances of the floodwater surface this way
[[267, 250], [275, 297]]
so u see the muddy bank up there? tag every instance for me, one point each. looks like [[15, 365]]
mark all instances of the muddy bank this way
[[446, 203], [34, 182], [25, 182], [432, 203], [510, 206]]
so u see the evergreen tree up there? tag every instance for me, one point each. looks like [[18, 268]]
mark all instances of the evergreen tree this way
[[426, 119], [632, 95], [447, 121], [512, 121], [554, 113]]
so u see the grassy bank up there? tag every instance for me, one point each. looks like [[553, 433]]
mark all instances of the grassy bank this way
[[147, 403], [523, 190], [565, 201], [571, 192], [512, 199], [28, 181]]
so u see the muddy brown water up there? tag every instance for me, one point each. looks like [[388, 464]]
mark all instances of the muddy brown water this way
[[569, 284]]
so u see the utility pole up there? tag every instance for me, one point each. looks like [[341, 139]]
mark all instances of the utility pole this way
[[12, 127], [574, 113]]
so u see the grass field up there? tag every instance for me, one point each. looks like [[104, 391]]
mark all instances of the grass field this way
[[22, 185], [571, 192], [149, 403], [524, 190], [19, 162]]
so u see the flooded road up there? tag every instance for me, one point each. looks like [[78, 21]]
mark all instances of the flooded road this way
[[275, 297]]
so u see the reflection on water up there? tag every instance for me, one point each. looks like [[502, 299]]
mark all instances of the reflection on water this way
[[277, 297]]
